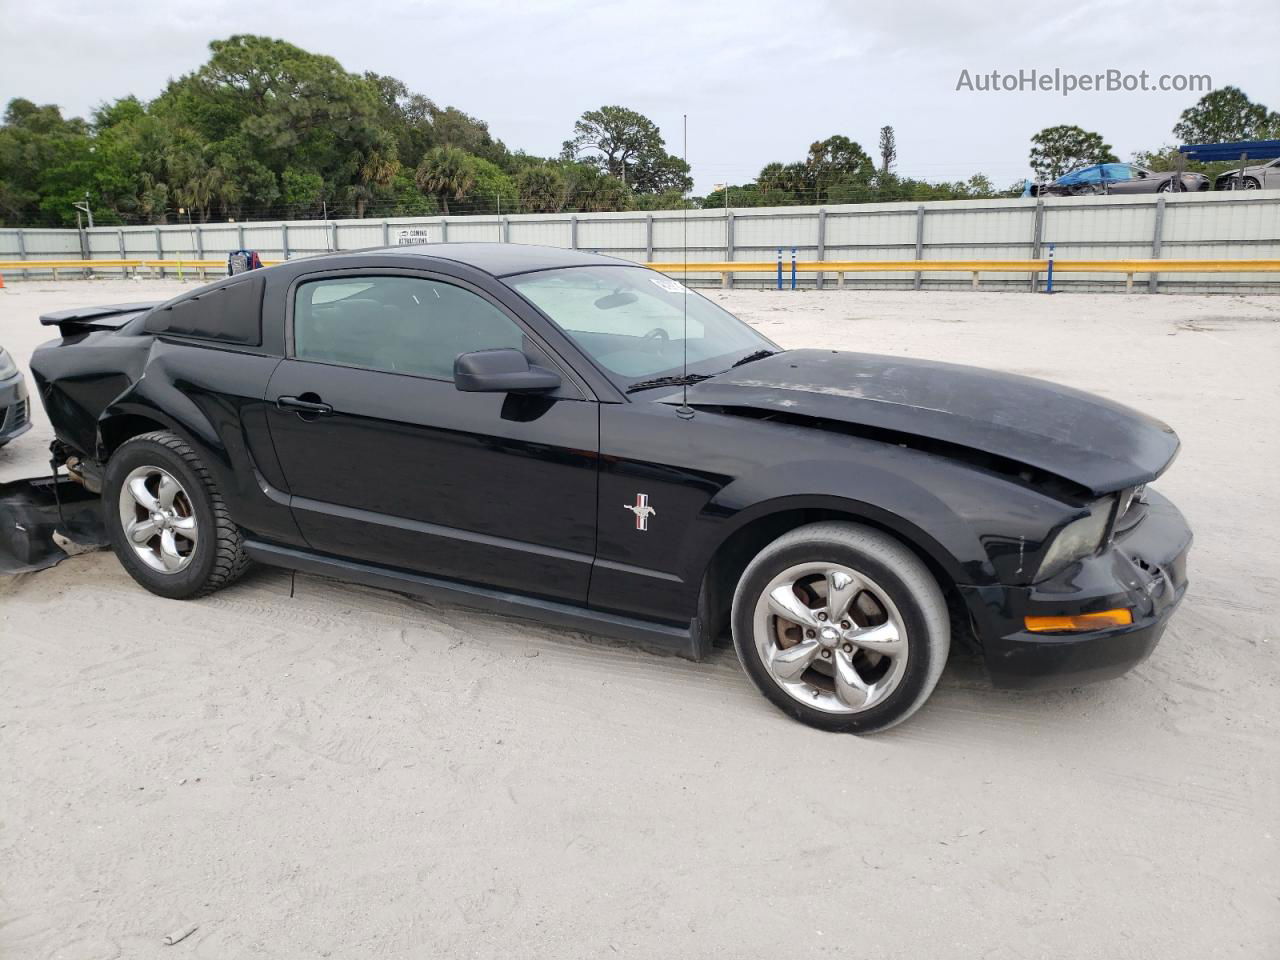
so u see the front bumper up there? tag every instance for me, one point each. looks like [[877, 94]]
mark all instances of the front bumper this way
[[1144, 570], [15, 408]]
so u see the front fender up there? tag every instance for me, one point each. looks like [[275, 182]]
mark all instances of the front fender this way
[[978, 526]]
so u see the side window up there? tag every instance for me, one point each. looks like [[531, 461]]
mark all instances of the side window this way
[[396, 324]]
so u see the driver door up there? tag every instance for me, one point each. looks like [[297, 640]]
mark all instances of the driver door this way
[[388, 463], [1123, 179]]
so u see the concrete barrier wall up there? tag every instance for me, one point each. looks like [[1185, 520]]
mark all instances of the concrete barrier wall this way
[[1241, 224]]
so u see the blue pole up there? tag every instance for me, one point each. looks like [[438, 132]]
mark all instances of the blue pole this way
[[779, 268], [793, 268], [1048, 287]]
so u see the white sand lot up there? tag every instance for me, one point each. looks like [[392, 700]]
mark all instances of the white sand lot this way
[[353, 774]]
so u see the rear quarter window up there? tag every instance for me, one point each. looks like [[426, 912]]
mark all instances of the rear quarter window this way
[[230, 313]]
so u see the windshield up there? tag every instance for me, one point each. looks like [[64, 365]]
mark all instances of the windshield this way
[[630, 321]]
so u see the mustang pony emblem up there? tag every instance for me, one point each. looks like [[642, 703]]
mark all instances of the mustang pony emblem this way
[[642, 510]]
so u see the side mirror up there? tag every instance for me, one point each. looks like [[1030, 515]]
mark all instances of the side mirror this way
[[501, 371]]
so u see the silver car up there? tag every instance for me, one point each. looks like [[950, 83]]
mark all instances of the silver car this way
[[1261, 176], [15, 411]]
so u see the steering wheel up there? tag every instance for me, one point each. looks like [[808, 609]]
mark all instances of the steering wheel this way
[[657, 333]]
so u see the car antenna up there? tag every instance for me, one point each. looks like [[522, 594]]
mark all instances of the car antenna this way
[[684, 411]]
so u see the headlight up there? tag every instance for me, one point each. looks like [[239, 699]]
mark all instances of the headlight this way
[[7, 367], [1077, 540], [1128, 498]]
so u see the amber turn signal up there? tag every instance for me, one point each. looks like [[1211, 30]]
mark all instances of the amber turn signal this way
[[1080, 622]]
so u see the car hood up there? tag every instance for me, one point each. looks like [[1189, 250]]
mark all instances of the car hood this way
[[1094, 442]]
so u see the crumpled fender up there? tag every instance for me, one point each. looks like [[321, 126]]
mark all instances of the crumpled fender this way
[[977, 526]]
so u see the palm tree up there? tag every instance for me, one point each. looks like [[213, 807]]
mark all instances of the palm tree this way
[[377, 171], [446, 172], [543, 189]]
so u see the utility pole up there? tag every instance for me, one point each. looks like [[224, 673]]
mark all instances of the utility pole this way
[[725, 188], [85, 208]]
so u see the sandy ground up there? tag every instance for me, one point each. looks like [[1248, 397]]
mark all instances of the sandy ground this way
[[349, 773]]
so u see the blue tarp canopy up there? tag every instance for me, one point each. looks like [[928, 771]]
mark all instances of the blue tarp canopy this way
[[1215, 152]]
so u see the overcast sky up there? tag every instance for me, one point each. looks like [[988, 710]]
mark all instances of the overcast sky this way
[[758, 79]]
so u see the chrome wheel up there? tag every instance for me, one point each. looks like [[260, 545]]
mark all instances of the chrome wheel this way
[[158, 519], [830, 637]]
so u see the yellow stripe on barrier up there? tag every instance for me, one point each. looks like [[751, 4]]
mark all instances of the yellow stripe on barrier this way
[[117, 264], [977, 266], [803, 266]]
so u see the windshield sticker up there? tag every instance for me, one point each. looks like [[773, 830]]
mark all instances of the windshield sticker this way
[[667, 284]]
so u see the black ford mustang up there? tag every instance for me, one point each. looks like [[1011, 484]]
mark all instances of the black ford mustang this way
[[531, 430]]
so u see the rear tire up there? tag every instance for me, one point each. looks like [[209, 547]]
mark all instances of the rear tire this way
[[841, 627], [167, 523]]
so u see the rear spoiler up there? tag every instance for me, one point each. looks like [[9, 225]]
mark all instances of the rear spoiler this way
[[83, 319]]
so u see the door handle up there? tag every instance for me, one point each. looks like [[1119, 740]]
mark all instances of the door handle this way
[[302, 407]]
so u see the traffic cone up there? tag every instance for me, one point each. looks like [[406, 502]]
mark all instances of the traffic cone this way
[[1, 281]]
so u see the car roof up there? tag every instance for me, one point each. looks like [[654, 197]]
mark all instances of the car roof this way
[[498, 259]]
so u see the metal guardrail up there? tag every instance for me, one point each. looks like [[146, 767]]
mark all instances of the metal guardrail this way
[[201, 267], [973, 267], [726, 267]]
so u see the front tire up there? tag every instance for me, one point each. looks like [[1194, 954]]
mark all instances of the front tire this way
[[167, 523], [842, 627]]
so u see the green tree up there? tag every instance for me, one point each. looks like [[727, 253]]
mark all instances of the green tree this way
[[542, 189], [835, 166], [302, 192], [378, 171], [888, 150], [446, 172], [44, 163], [1058, 150], [1224, 116], [494, 189], [627, 145], [263, 106], [593, 191]]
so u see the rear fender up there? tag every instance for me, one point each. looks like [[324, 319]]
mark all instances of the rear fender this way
[[212, 398]]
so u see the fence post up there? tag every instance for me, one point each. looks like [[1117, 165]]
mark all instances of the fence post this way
[[284, 240], [919, 278], [506, 229], [386, 234], [729, 252], [1037, 238], [84, 249], [444, 230], [200, 247], [1157, 238], [333, 237], [160, 251], [822, 243], [239, 236], [573, 232], [22, 250], [648, 238]]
